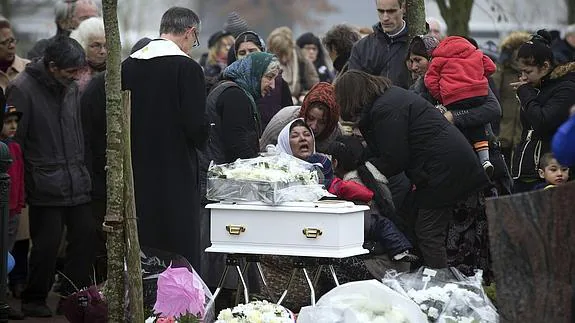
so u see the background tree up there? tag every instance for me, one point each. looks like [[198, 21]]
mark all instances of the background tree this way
[[456, 15], [415, 17], [120, 221], [571, 11]]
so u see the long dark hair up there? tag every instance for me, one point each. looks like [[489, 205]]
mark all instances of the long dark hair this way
[[355, 90]]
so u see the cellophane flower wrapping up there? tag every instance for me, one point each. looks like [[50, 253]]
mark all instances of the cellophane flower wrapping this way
[[182, 292], [362, 301], [256, 312], [445, 295], [272, 179]]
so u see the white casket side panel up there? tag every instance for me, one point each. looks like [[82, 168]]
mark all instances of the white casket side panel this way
[[292, 231]]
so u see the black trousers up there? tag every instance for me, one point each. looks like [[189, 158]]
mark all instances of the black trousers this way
[[46, 228], [431, 232]]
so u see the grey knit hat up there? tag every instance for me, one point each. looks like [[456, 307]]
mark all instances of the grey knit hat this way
[[235, 24], [423, 45]]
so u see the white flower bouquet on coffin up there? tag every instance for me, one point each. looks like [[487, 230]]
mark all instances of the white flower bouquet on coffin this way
[[271, 179], [256, 312], [362, 302], [445, 295]]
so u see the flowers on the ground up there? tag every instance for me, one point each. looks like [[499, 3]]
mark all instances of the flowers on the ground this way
[[180, 296], [256, 312]]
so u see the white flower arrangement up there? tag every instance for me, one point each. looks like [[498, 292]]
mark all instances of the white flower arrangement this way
[[256, 312]]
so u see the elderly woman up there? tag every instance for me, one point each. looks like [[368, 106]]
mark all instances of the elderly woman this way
[[250, 42], [91, 35], [404, 133], [232, 111], [321, 114], [545, 92], [298, 72]]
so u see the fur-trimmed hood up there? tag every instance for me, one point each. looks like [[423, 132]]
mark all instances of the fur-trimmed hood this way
[[514, 40], [563, 70]]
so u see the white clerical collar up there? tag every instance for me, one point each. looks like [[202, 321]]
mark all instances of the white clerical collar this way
[[158, 48], [399, 32]]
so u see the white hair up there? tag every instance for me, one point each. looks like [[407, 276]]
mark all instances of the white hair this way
[[91, 27], [431, 20], [570, 30], [64, 9]]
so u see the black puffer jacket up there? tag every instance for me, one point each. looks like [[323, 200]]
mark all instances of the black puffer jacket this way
[[543, 110], [406, 133], [50, 133], [380, 54]]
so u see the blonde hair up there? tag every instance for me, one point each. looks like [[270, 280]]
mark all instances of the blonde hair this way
[[280, 41], [214, 50], [91, 27]]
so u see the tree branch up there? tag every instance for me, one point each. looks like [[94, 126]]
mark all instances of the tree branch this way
[[443, 8]]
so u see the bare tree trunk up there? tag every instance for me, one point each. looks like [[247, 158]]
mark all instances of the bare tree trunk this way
[[6, 8], [114, 222], [456, 16], [571, 10], [134, 265], [415, 17]]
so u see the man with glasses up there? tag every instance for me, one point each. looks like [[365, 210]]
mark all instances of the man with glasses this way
[[10, 64], [168, 97], [383, 52], [69, 14]]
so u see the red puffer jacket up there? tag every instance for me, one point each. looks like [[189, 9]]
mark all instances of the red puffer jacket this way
[[458, 71], [16, 172], [350, 190]]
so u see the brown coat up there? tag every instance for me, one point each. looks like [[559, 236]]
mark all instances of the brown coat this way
[[13, 71]]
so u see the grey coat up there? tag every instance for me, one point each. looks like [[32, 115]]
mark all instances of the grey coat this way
[[50, 133]]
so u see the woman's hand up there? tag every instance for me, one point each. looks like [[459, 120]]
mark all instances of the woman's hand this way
[[516, 85]]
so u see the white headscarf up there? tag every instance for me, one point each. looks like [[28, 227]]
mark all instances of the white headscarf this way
[[283, 139]]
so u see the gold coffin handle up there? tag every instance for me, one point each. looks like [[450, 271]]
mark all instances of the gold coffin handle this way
[[311, 233], [235, 230]]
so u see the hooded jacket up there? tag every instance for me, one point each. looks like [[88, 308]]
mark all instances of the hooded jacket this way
[[458, 71], [543, 111], [50, 133], [383, 55]]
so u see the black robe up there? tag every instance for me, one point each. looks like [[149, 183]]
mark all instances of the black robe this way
[[168, 124]]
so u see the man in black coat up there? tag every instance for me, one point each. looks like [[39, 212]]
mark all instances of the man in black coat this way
[[56, 178], [564, 49], [168, 125], [383, 52]]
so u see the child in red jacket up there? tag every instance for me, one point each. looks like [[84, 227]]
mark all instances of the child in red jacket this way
[[16, 171], [457, 77]]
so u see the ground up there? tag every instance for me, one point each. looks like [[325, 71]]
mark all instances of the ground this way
[[52, 302]]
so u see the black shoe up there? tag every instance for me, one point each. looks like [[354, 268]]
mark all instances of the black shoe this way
[[36, 310], [15, 315], [406, 257]]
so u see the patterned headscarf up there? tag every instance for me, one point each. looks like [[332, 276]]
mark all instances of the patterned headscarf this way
[[247, 73], [324, 93]]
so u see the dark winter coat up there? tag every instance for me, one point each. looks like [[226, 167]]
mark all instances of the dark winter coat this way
[[563, 52], [380, 54], [168, 124], [406, 133], [543, 110], [50, 133], [94, 124], [234, 131]]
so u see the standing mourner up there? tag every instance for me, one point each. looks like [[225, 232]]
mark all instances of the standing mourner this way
[[564, 49], [91, 35], [68, 14], [545, 92], [168, 90], [57, 180], [383, 52], [338, 42], [10, 64], [407, 134], [313, 51], [216, 59]]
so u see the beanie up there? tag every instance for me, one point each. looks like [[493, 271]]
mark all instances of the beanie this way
[[235, 24]]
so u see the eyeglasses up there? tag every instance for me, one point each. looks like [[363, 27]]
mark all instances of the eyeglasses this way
[[9, 42], [197, 42]]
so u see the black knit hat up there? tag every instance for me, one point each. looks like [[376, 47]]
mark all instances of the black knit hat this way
[[250, 36], [308, 39], [423, 46], [235, 24], [217, 36]]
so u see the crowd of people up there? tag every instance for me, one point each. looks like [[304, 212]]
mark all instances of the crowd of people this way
[[422, 130]]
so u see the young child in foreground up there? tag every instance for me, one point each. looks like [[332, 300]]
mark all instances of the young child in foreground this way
[[349, 183], [552, 172]]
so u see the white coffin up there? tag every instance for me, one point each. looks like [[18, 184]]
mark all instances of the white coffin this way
[[330, 229]]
